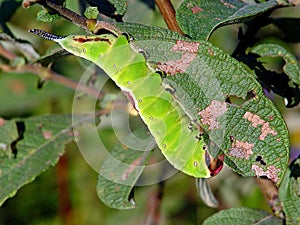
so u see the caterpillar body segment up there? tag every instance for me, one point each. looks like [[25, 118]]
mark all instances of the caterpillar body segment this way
[[164, 117]]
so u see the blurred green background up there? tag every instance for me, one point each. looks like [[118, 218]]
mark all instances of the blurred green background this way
[[66, 194]]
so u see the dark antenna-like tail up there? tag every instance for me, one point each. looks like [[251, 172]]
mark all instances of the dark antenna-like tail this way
[[46, 35]]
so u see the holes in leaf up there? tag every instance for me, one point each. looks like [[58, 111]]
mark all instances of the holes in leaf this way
[[21, 129], [235, 100], [295, 169], [274, 79], [260, 160], [272, 63]]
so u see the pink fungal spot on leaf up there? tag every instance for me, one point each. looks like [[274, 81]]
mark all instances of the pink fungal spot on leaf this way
[[137, 162], [196, 9], [265, 130], [189, 50], [254, 119], [265, 126], [2, 122], [241, 149], [210, 114], [185, 46], [47, 134], [177, 66], [210, 52], [270, 173]]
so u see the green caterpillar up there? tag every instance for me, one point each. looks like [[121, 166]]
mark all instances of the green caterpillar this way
[[164, 117]]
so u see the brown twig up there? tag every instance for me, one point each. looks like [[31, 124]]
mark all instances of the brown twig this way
[[66, 13], [7, 54], [91, 91], [86, 24], [65, 207], [153, 212], [270, 192], [167, 10], [48, 74], [60, 10]]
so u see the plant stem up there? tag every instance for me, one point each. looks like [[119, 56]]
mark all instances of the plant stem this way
[[153, 213], [93, 92], [65, 207], [270, 192], [79, 20], [48, 74], [167, 10], [66, 13], [7, 54]]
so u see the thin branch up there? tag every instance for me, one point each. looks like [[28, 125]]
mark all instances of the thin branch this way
[[86, 24], [270, 193], [66, 13], [167, 10], [48, 74], [60, 10], [64, 200], [93, 92], [153, 211], [7, 54]]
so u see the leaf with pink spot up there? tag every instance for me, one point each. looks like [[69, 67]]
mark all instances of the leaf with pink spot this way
[[222, 98]]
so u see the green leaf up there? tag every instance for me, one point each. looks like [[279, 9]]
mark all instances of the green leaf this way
[[37, 142], [291, 66], [8, 133], [111, 8], [121, 169], [91, 12], [199, 18], [289, 193], [242, 216], [143, 32], [120, 5], [223, 96], [46, 16]]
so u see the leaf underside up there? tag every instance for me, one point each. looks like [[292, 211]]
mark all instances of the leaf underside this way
[[121, 170], [37, 142], [242, 216], [289, 193], [200, 18]]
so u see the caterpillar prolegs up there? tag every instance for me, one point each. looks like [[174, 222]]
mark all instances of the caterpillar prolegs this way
[[164, 117]]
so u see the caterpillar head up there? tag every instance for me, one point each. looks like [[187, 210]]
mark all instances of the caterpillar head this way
[[89, 47]]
